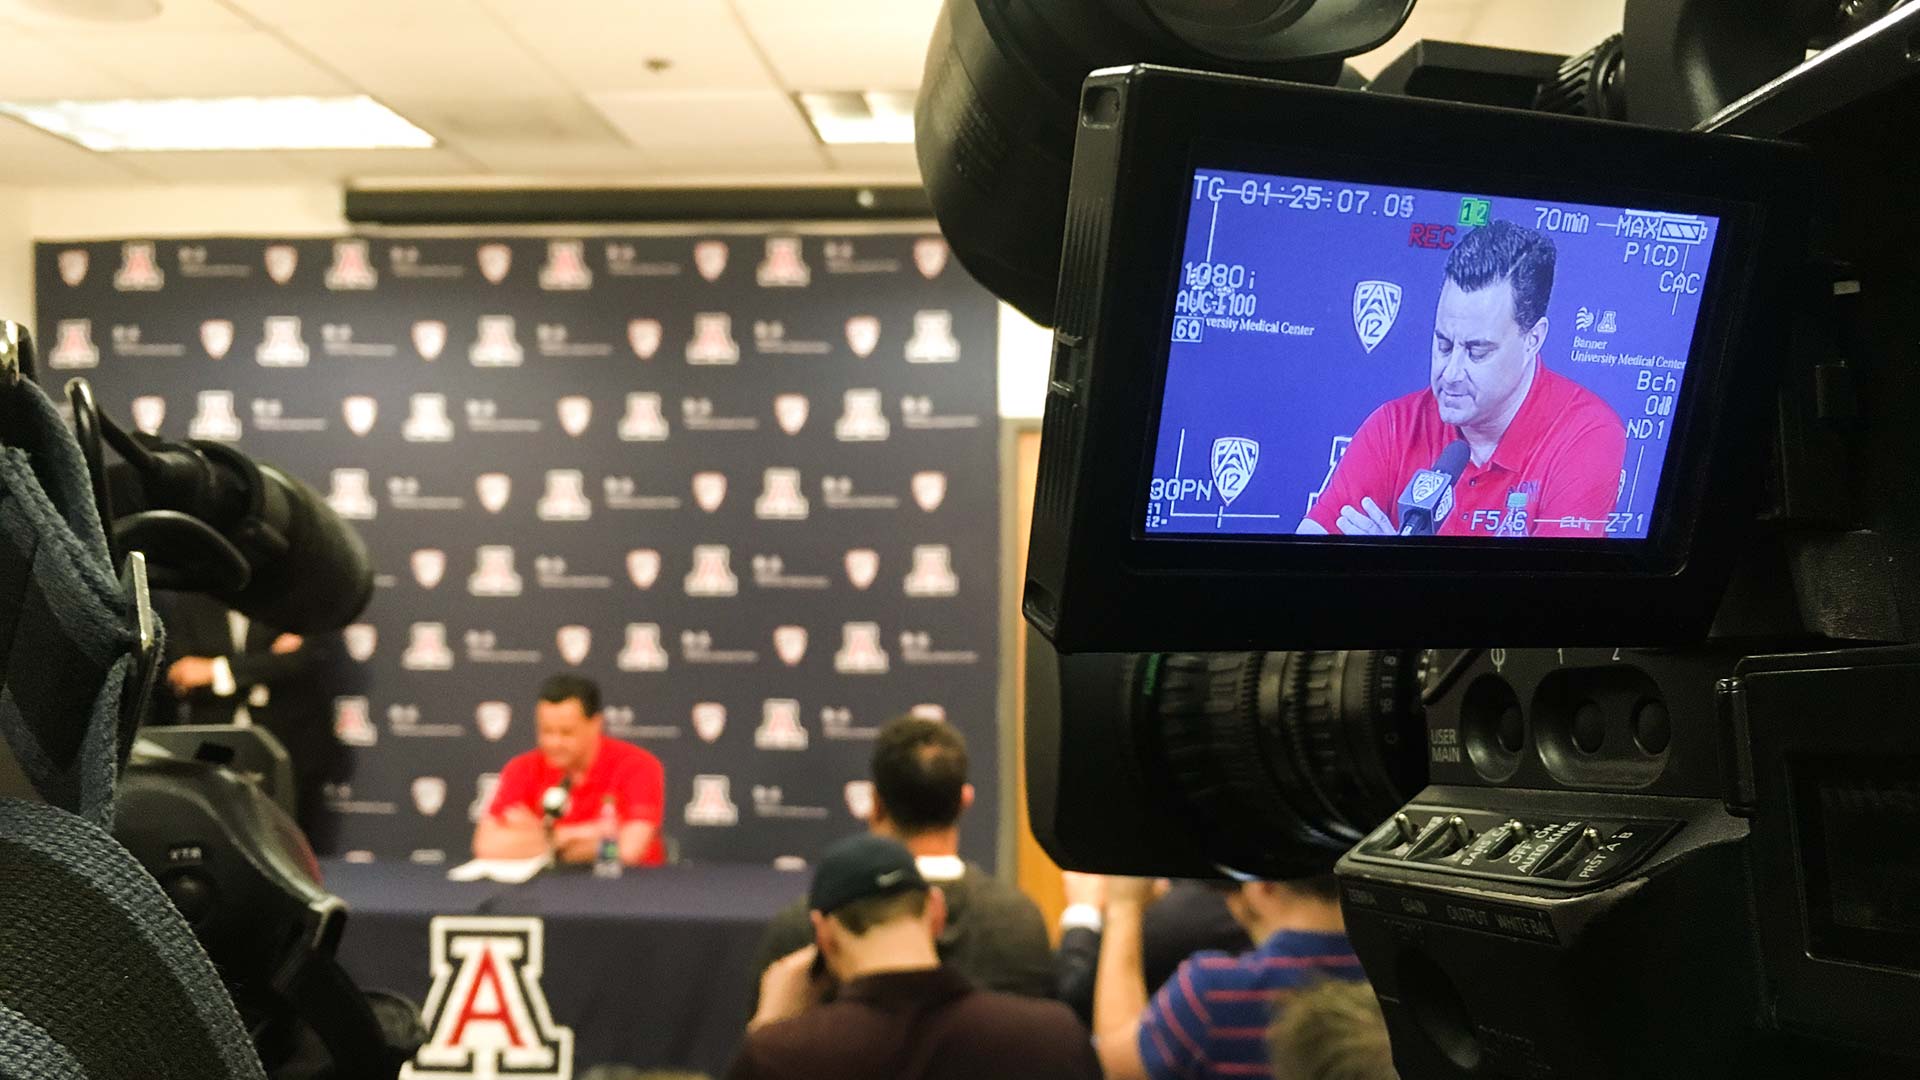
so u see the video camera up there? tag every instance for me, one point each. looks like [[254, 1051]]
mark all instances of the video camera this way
[[1601, 721]]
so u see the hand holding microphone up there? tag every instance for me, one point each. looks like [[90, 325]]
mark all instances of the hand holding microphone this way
[[1424, 504], [555, 802]]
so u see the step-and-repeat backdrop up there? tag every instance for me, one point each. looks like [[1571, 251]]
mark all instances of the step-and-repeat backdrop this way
[[746, 482]]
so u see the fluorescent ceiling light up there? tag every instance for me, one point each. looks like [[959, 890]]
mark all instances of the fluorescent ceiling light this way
[[853, 116], [276, 123]]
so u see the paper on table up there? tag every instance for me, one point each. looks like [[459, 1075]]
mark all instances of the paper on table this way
[[510, 871]]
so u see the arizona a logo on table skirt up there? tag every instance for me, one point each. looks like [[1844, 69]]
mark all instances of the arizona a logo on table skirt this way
[[487, 1012]]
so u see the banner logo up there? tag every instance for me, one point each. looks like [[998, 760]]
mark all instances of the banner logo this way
[[643, 421], [429, 566], [790, 644], [429, 339], [495, 260], [360, 412], [932, 341], [565, 498], [712, 573], [861, 419], [280, 343], [429, 794], [215, 418], [780, 726], [73, 346], [863, 565], [783, 266], [351, 495], [73, 266], [361, 638], [712, 802], [860, 652], [928, 711], [643, 567], [780, 498], [139, 270], [353, 723], [932, 573], [576, 411], [495, 345], [281, 259], [709, 490], [863, 335], [427, 419], [351, 268], [644, 336], [929, 489], [642, 651], [712, 342], [216, 336], [790, 410], [148, 412], [487, 1013], [493, 488], [484, 786], [573, 643], [710, 258], [709, 720], [930, 256], [492, 718], [1376, 304], [427, 648], [493, 572], [1234, 459], [566, 267], [859, 795]]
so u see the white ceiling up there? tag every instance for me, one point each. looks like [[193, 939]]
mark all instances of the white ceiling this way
[[554, 90]]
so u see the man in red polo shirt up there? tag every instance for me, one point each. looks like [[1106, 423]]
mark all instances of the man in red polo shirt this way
[[1544, 452], [576, 767]]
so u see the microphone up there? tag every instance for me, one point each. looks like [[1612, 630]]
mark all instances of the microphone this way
[[553, 804], [1428, 499]]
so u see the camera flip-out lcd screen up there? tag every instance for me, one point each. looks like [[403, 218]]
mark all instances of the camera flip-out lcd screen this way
[[1371, 360]]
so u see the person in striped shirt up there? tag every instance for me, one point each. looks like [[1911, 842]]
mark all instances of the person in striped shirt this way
[[1210, 1020]]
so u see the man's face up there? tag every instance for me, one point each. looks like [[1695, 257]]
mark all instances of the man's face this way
[[568, 736], [1480, 355]]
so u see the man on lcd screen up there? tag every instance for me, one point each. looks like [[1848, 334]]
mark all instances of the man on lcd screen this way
[[1497, 444]]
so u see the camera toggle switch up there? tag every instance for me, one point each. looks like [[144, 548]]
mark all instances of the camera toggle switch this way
[[1442, 838]]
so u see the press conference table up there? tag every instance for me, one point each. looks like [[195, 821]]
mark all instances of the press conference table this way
[[652, 969]]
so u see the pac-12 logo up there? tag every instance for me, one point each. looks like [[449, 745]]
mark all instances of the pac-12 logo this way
[[1234, 460], [487, 1013], [1376, 304]]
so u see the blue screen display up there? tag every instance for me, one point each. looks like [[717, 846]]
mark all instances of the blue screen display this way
[[1363, 360]]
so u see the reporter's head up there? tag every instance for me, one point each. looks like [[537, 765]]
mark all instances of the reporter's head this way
[[871, 909], [567, 719], [919, 769]]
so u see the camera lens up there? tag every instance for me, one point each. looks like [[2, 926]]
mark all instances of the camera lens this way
[[1286, 758]]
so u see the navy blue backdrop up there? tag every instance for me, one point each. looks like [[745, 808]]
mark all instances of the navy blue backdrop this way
[[749, 482]]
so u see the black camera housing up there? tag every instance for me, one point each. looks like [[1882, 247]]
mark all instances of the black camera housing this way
[[1097, 582]]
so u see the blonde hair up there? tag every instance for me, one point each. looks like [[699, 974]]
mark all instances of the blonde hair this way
[[1331, 1031]]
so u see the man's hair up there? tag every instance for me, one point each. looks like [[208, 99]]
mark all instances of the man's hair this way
[[1322, 887], [1331, 1031], [567, 686], [1503, 251], [864, 914], [919, 768]]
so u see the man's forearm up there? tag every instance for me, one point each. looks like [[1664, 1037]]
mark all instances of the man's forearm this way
[[636, 838], [499, 840], [1120, 981]]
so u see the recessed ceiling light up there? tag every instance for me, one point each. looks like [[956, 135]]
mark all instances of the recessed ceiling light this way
[[854, 116], [276, 123]]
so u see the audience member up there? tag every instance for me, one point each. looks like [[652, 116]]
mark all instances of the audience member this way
[[896, 1014], [1207, 1021], [994, 934], [1333, 1031], [1191, 916]]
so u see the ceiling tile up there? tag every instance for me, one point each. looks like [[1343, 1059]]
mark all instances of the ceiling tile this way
[[215, 167], [174, 15], [214, 63], [507, 117], [594, 48], [843, 44], [35, 157], [534, 159], [706, 120], [38, 69], [885, 160], [338, 166], [360, 13], [431, 58]]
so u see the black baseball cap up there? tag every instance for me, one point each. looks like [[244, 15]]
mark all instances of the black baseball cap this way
[[859, 867]]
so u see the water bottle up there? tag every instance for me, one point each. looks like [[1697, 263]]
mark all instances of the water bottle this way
[[606, 864]]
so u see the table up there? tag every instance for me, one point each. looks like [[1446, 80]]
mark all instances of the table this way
[[652, 969]]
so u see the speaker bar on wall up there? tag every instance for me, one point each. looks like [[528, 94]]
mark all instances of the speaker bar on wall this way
[[547, 206]]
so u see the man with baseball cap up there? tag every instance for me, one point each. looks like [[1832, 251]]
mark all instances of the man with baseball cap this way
[[869, 998]]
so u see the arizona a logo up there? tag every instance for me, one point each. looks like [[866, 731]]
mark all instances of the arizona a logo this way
[[1234, 459], [487, 1013], [644, 336], [352, 724], [216, 336], [138, 271], [351, 269], [1375, 305]]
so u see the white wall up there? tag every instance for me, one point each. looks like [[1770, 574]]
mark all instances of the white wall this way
[[16, 255]]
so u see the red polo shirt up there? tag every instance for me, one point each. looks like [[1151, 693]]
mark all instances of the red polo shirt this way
[[1556, 472], [631, 775]]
